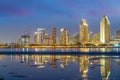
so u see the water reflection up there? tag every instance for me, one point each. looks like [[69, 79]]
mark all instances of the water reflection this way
[[77, 49], [84, 62], [59, 50], [59, 67], [105, 68]]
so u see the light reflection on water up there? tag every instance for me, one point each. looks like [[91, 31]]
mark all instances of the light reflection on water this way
[[61, 50], [60, 67]]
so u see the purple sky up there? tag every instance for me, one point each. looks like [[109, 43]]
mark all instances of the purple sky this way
[[20, 16]]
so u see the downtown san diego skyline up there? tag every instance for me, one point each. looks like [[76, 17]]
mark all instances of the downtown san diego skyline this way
[[17, 17]]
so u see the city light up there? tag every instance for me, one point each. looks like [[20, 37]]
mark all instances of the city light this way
[[85, 38]]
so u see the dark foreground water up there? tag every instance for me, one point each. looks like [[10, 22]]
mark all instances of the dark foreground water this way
[[60, 67]]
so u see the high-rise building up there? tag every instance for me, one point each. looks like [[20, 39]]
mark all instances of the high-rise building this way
[[53, 35], [96, 38], [118, 34], [90, 36], [36, 40], [70, 40], [75, 38], [47, 40], [41, 34], [57, 41], [84, 31], [104, 30], [64, 38], [24, 40]]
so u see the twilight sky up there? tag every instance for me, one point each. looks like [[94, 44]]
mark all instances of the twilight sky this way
[[20, 16]]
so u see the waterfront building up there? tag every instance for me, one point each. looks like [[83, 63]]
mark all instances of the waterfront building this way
[[24, 40], [53, 36], [96, 38], [47, 40], [83, 31], [64, 38], [70, 40], [36, 40], [57, 41], [41, 34], [105, 30], [75, 38], [116, 40], [90, 36], [118, 34]]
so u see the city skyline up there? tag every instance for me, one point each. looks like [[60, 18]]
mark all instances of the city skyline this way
[[18, 17], [84, 30]]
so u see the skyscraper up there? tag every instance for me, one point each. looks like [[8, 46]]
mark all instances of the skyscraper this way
[[36, 40], [63, 37], [41, 34], [47, 40], [53, 35], [90, 36], [118, 34], [104, 30], [96, 38], [84, 31], [75, 38], [25, 40]]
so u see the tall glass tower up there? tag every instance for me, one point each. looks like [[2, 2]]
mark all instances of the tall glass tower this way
[[41, 34], [105, 30], [84, 31], [54, 35], [64, 38]]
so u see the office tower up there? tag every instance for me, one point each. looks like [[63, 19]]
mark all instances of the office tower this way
[[118, 34], [70, 40], [53, 35], [63, 37], [57, 41], [90, 36], [36, 40], [41, 34], [83, 31], [25, 40], [96, 38], [104, 30], [47, 41], [75, 38]]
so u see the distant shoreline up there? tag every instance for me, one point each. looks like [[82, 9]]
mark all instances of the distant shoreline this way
[[59, 47]]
